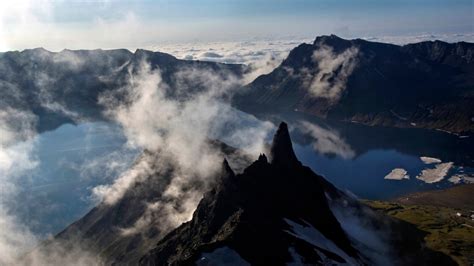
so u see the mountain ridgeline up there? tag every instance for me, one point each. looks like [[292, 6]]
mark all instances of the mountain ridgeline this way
[[64, 87], [279, 212], [427, 84]]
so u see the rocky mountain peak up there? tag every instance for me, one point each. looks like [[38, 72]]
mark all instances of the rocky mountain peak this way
[[258, 215], [325, 38], [282, 149], [333, 41], [262, 158], [227, 171]]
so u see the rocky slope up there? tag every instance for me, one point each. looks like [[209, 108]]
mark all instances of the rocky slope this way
[[427, 84], [65, 86], [121, 232], [278, 211]]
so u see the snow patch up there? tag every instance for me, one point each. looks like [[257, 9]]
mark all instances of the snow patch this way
[[372, 241], [436, 174], [222, 256], [465, 178], [455, 179], [311, 235], [397, 174]]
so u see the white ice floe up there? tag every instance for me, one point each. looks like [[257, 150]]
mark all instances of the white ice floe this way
[[465, 178], [429, 160], [435, 174], [311, 235], [455, 179], [397, 174]]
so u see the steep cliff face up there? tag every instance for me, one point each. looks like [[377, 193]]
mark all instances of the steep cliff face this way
[[427, 85], [279, 211]]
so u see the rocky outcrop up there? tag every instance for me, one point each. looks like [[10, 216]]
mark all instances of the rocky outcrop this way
[[252, 213]]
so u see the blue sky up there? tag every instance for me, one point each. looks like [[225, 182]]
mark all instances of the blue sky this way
[[112, 24]]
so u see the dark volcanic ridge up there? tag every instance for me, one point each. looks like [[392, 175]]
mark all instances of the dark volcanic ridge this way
[[420, 85], [278, 211], [274, 212]]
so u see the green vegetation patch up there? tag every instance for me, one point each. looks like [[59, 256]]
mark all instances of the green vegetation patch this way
[[450, 231]]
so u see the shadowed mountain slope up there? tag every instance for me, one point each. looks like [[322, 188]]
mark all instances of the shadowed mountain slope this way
[[278, 211], [61, 87], [427, 84]]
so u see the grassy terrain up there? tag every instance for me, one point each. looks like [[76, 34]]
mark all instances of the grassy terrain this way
[[446, 231], [457, 197]]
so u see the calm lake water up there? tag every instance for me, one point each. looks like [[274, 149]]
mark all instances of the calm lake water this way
[[74, 159], [357, 158]]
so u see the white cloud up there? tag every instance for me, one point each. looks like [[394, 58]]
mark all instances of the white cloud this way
[[421, 37], [113, 192], [333, 70], [17, 159], [177, 130], [369, 239], [261, 56]]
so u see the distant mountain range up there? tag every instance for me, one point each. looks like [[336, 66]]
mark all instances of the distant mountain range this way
[[276, 211], [65, 86], [426, 84]]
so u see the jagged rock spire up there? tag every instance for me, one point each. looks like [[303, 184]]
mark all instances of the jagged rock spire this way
[[282, 150], [226, 169]]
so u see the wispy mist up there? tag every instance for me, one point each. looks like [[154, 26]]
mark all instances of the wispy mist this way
[[176, 123], [17, 158], [333, 71]]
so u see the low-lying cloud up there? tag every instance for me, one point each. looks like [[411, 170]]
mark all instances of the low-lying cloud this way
[[176, 125], [18, 160], [260, 56], [332, 72]]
